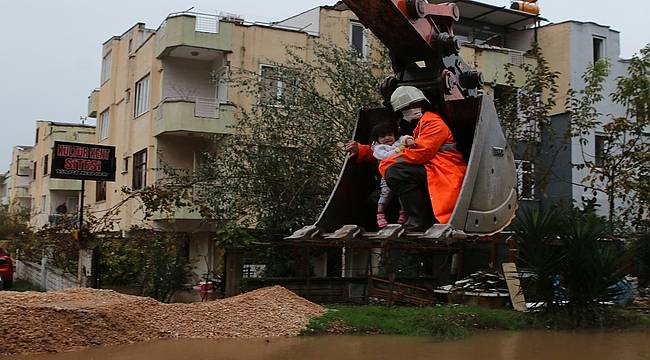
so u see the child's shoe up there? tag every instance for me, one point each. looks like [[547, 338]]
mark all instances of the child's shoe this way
[[381, 220], [403, 217]]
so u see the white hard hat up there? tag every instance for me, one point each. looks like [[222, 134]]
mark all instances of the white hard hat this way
[[404, 96]]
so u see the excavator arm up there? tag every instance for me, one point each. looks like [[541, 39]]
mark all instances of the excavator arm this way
[[425, 53]]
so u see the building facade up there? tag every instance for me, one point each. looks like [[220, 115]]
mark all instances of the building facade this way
[[19, 178], [164, 98], [570, 47], [54, 199], [4, 188]]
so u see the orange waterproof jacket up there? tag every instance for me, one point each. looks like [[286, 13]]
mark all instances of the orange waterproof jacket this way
[[445, 168]]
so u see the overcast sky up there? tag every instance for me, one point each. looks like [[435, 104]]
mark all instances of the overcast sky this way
[[50, 50]]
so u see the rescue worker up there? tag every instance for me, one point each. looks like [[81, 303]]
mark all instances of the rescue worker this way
[[427, 178]]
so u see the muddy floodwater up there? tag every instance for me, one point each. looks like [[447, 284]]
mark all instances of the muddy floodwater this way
[[534, 345]]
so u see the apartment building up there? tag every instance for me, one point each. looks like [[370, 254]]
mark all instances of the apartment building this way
[[4, 188], [157, 104], [19, 178], [570, 47], [159, 107], [53, 199]]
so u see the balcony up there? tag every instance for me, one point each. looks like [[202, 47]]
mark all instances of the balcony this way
[[64, 185], [183, 116], [193, 30], [492, 61], [93, 103]]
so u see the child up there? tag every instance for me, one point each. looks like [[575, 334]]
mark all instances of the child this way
[[384, 145]]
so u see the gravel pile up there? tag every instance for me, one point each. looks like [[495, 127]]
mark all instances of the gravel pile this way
[[75, 318]]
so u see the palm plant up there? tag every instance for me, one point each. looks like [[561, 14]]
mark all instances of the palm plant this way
[[569, 259], [540, 258]]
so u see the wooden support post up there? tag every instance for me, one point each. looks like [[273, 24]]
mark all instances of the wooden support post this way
[[234, 272], [461, 261], [388, 264], [513, 250], [493, 254], [306, 258]]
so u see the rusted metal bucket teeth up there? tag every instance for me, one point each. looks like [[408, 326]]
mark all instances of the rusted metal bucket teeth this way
[[347, 232], [308, 232], [390, 232]]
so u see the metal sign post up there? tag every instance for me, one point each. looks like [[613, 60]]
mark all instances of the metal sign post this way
[[84, 162], [81, 205]]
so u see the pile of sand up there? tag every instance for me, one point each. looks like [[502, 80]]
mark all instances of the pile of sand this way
[[76, 318]]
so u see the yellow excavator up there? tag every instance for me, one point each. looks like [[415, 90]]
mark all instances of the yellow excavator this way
[[425, 53]]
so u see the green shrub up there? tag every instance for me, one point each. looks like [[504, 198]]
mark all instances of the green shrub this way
[[568, 259]]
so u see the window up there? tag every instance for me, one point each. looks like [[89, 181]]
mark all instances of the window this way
[[45, 163], [103, 125], [24, 166], [43, 204], [141, 96], [525, 179], [600, 150], [100, 190], [598, 48], [272, 86], [36, 140], [516, 105], [130, 45], [359, 39], [125, 165], [140, 170], [34, 169], [106, 67]]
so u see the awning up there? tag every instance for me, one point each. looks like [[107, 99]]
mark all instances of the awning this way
[[502, 17]]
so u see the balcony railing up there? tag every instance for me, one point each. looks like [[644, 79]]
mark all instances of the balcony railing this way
[[492, 62], [192, 29], [203, 107], [63, 219], [206, 108], [194, 114]]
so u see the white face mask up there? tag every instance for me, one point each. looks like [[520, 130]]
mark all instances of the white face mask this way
[[412, 114]]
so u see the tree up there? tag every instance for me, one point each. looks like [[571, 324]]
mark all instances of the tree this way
[[13, 223], [622, 168], [524, 112], [277, 172]]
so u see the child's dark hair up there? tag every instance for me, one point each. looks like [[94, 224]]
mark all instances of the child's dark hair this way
[[382, 129]]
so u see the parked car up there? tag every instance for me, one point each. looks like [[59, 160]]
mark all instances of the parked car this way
[[6, 268]]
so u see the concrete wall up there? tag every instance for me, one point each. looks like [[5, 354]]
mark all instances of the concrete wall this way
[[128, 134], [187, 78], [45, 276]]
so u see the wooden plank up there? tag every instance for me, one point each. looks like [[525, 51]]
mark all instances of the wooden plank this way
[[514, 287]]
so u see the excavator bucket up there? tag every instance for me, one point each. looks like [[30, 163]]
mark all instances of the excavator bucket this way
[[416, 32], [487, 200]]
